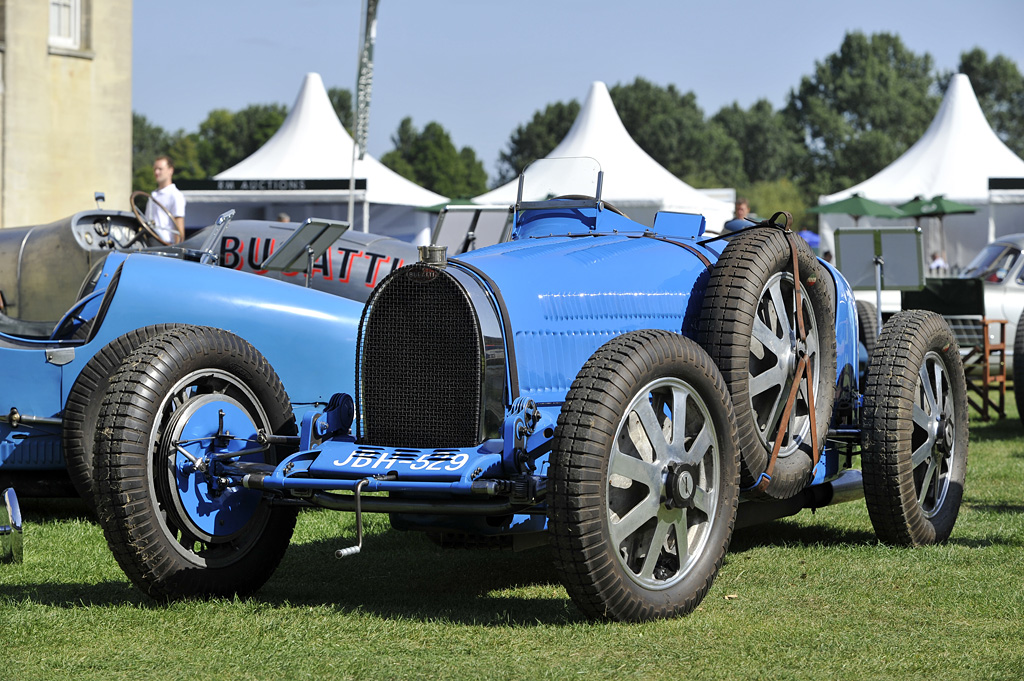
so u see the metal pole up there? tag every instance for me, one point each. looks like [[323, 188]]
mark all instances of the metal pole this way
[[878, 290]]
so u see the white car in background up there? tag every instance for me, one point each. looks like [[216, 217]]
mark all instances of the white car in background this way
[[1001, 267]]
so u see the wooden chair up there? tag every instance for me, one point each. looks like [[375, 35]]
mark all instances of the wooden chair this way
[[982, 339]]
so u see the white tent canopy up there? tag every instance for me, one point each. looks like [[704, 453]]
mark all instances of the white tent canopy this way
[[633, 181], [312, 144], [955, 157]]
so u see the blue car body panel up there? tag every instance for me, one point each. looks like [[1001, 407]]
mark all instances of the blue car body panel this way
[[307, 336]]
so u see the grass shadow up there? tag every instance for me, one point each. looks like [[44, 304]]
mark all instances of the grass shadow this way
[[403, 576], [784, 533], [77, 595]]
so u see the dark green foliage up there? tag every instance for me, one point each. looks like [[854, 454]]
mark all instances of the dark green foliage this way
[[430, 159], [225, 138], [148, 142], [999, 86], [341, 100], [861, 108], [536, 139], [669, 126], [772, 149]]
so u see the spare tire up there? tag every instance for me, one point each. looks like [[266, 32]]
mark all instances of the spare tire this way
[[748, 325]]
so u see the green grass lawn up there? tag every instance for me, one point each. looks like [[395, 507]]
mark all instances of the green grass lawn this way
[[810, 597]]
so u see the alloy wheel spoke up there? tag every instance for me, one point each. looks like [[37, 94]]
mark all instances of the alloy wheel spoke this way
[[654, 548], [930, 477], [938, 388], [775, 291], [652, 428], [922, 453], [635, 518], [929, 392], [633, 468], [774, 377], [702, 500], [767, 337], [700, 446]]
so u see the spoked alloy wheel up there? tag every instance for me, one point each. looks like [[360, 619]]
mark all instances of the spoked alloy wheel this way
[[181, 402], [643, 479], [773, 357], [662, 495], [915, 438], [749, 324]]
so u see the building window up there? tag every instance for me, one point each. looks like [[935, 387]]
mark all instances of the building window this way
[[66, 24]]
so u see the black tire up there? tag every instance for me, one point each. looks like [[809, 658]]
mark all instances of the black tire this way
[[1018, 367], [736, 316], [867, 325], [595, 478], [914, 455], [82, 409], [194, 543]]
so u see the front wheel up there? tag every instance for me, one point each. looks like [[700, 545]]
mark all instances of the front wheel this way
[[644, 478], [176, 527], [914, 455]]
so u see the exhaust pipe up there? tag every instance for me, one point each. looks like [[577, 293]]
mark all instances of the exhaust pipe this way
[[849, 486], [11, 546]]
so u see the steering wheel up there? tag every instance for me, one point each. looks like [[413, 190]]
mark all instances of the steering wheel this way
[[149, 226], [577, 197]]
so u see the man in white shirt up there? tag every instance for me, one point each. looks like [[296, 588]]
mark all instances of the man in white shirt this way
[[168, 196]]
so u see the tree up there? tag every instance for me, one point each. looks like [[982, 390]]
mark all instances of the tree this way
[[430, 159], [771, 148], [863, 107], [341, 100], [665, 123], [999, 87], [226, 138], [536, 139], [148, 142], [768, 196], [669, 126]]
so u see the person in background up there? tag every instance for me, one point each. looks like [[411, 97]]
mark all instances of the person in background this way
[[284, 217], [739, 220], [938, 262], [827, 256], [168, 196]]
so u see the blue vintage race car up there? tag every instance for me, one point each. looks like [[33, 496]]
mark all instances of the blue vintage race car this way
[[626, 394], [53, 375]]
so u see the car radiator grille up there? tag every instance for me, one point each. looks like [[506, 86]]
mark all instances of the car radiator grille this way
[[420, 363]]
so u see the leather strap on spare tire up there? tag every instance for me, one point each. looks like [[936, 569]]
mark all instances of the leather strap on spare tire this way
[[803, 374]]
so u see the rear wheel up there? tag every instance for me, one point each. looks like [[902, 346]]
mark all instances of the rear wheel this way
[[914, 455], [643, 479], [867, 325], [183, 396]]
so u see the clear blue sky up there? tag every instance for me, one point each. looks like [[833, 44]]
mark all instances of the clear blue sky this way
[[482, 67]]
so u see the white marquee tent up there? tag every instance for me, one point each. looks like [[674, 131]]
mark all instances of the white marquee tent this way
[[634, 182], [286, 175], [955, 157]]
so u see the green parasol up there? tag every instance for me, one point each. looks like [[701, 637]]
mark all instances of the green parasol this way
[[857, 206], [935, 207]]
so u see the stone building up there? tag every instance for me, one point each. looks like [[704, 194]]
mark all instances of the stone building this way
[[65, 107]]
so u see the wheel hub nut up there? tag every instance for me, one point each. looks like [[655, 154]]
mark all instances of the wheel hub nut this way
[[681, 485]]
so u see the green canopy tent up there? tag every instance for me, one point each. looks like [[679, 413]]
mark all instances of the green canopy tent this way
[[935, 207], [857, 206]]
